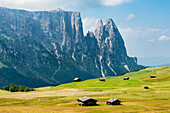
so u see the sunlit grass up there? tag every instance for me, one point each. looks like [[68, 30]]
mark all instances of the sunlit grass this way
[[135, 98]]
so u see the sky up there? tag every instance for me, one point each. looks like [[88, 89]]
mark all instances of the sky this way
[[143, 24]]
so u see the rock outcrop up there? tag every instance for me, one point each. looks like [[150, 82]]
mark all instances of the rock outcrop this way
[[49, 48]]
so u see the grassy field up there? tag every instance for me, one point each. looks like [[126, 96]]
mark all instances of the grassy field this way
[[62, 98]]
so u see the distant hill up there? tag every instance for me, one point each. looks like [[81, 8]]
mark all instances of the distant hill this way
[[154, 61], [162, 65]]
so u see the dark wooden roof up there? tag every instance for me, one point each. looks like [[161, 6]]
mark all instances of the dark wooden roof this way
[[152, 75], [126, 78], [113, 100], [85, 98], [101, 78]]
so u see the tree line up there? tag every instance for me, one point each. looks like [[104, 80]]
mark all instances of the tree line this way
[[15, 88]]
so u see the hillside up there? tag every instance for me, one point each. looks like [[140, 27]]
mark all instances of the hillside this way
[[137, 79], [62, 98], [42, 48]]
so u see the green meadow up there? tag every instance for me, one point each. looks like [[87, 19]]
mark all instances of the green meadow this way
[[62, 98]]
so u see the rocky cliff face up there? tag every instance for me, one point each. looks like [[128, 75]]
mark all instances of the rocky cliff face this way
[[49, 48]]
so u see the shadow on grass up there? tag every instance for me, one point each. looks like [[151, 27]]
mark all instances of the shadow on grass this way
[[98, 105]]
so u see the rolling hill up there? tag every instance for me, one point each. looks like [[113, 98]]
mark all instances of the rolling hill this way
[[62, 98]]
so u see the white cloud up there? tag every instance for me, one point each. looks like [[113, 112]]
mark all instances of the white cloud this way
[[89, 24], [148, 34], [21, 2], [151, 40], [164, 38], [40, 4], [144, 42], [114, 2], [126, 31], [54, 4], [130, 17]]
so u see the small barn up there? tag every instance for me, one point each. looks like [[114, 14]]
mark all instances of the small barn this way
[[126, 78], [113, 101], [152, 76], [86, 101], [146, 87], [77, 79], [102, 79]]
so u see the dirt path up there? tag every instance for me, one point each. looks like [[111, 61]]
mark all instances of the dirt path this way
[[61, 92]]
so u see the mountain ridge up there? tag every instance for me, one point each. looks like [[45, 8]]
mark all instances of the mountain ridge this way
[[50, 47]]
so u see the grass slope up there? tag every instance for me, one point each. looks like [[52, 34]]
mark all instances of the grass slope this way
[[137, 79], [62, 98]]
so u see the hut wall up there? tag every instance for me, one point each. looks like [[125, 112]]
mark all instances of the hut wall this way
[[90, 103]]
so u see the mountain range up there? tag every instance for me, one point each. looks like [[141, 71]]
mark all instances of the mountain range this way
[[154, 61], [40, 48]]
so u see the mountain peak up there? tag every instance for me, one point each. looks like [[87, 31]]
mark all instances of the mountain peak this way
[[110, 23], [109, 20], [100, 23], [99, 29], [59, 9], [90, 34]]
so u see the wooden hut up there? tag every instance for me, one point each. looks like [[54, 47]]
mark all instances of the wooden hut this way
[[86, 101], [102, 79], [152, 76], [77, 79], [146, 87], [113, 101], [126, 78]]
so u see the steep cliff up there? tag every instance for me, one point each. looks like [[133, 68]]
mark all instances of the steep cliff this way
[[49, 48]]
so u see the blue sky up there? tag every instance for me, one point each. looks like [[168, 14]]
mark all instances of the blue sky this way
[[144, 24]]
